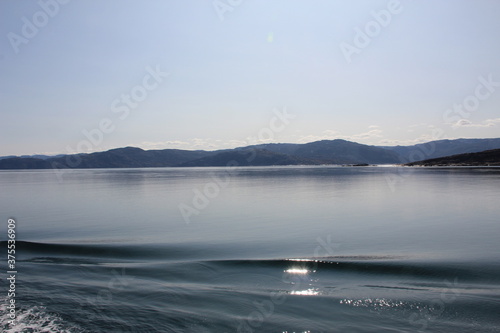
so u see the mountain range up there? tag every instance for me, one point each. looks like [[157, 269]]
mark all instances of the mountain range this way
[[313, 153]]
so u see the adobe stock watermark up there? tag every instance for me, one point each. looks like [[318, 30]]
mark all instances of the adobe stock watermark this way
[[11, 307], [265, 309], [455, 115], [121, 108], [483, 91], [225, 6], [32, 26], [419, 153], [372, 29], [211, 190]]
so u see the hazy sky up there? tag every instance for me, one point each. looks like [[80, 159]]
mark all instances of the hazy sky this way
[[374, 72]]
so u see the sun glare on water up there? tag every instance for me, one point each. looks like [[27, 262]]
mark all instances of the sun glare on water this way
[[297, 271]]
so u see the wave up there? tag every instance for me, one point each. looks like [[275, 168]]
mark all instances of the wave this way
[[115, 251], [89, 254], [165, 287], [372, 266]]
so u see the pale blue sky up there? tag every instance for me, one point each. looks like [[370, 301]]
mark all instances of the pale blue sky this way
[[227, 76]]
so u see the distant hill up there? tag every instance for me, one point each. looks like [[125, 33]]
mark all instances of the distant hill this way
[[250, 157], [9, 156], [484, 158], [441, 148], [336, 152], [314, 153], [24, 163], [128, 157], [346, 152], [41, 157], [131, 157], [281, 148]]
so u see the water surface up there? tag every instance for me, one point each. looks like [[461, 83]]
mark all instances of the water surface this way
[[272, 249]]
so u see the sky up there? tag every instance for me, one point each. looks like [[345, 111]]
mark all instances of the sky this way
[[88, 75]]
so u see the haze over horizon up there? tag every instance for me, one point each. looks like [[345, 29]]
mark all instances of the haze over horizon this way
[[79, 76]]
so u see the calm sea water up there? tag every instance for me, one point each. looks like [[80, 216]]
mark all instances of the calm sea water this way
[[275, 249]]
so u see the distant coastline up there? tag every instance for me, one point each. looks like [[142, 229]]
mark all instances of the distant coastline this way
[[459, 152]]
